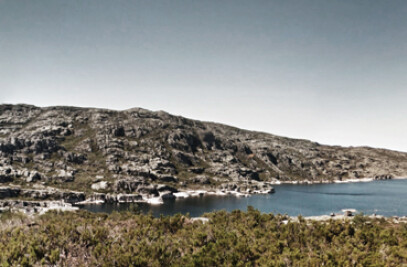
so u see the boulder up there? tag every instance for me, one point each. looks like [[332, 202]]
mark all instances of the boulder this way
[[64, 176], [33, 177], [201, 179], [166, 188], [73, 197], [102, 185], [167, 195], [128, 185]]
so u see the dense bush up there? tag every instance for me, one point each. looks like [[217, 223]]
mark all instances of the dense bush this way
[[228, 239]]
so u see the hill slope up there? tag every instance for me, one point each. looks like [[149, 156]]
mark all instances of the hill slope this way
[[135, 150]]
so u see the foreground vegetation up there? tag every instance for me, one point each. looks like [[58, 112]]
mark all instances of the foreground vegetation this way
[[227, 239]]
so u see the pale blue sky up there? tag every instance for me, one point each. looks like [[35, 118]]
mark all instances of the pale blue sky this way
[[331, 71]]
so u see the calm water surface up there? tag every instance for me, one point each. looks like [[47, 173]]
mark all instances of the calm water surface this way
[[387, 198]]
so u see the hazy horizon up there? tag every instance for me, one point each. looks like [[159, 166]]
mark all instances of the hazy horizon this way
[[333, 72]]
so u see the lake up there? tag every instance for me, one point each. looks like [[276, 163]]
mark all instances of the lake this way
[[388, 198]]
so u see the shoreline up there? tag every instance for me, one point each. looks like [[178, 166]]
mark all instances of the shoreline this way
[[158, 200], [350, 180], [95, 199]]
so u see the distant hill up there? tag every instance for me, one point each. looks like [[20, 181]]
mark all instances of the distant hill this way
[[135, 150]]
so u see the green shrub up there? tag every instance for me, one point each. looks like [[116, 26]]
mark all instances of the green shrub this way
[[229, 239]]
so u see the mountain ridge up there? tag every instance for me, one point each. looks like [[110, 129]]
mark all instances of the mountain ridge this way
[[138, 151], [204, 121]]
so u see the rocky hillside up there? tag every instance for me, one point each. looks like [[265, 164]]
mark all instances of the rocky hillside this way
[[140, 151]]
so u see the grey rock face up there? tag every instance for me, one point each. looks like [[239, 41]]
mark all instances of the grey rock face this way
[[6, 192], [42, 194], [31, 207], [102, 185], [74, 158], [249, 187], [136, 150], [201, 179], [34, 176], [64, 176]]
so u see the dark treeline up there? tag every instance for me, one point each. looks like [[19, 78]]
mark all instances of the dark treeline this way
[[227, 239]]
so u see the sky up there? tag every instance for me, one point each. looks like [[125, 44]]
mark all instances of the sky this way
[[333, 71]]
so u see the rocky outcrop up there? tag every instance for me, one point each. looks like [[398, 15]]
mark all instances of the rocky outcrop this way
[[383, 177], [135, 151], [111, 198], [33, 207], [64, 176], [42, 194], [251, 187], [71, 197], [102, 185], [6, 192]]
